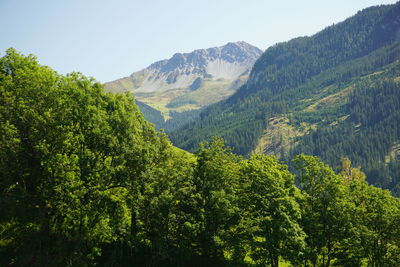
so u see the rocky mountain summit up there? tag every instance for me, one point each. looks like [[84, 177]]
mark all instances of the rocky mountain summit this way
[[197, 79], [206, 61]]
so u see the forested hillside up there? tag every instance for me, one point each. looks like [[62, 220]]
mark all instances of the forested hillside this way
[[276, 107], [371, 124], [152, 115], [86, 181]]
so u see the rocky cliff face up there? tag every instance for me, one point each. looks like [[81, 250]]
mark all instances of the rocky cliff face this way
[[220, 68]]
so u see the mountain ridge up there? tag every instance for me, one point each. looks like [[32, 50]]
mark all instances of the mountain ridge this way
[[189, 81], [314, 72], [227, 62]]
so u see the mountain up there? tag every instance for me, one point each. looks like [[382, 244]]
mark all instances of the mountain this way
[[302, 94], [189, 81]]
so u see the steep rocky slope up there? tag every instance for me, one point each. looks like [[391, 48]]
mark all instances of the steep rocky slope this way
[[191, 80]]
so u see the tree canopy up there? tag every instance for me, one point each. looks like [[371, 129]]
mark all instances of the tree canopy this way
[[85, 180]]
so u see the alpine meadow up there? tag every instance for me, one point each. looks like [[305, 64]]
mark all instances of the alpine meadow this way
[[226, 156]]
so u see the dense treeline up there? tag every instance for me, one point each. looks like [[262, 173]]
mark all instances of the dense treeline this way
[[85, 180], [289, 72], [369, 132], [151, 115], [293, 75], [179, 119]]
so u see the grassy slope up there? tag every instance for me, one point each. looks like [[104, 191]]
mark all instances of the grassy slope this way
[[284, 132]]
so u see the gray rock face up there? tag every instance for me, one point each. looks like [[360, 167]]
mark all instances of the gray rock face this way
[[227, 62], [240, 52]]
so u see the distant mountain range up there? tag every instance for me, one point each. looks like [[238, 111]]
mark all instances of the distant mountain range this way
[[333, 94], [189, 81]]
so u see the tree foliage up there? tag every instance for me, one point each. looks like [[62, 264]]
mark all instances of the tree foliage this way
[[271, 211], [361, 55], [85, 180]]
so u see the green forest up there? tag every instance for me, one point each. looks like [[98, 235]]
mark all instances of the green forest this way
[[356, 63], [85, 180]]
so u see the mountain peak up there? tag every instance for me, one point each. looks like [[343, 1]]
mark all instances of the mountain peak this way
[[231, 52], [188, 81], [182, 69], [241, 44], [239, 51]]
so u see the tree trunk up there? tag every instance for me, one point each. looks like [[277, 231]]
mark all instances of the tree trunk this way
[[276, 262], [134, 228]]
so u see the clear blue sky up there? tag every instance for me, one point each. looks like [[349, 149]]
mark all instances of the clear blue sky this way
[[110, 39]]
